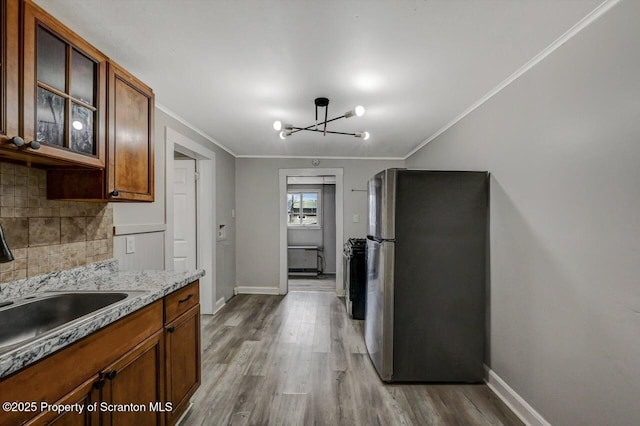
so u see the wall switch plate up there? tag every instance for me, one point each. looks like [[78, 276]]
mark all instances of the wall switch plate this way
[[233, 213], [356, 218], [130, 244]]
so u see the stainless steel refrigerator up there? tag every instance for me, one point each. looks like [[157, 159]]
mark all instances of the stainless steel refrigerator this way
[[426, 272]]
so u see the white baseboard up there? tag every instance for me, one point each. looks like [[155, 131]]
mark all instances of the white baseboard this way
[[515, 402], [257, 290], [219, 305]]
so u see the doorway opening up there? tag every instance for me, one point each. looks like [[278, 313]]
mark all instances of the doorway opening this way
[[205, 218], [311, 230], [311, 233]]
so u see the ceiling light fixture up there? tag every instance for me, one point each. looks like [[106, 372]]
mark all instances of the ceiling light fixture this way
[[322, 103]]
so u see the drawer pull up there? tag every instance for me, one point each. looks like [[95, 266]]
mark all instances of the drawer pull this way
[[112, 374], [185, 299], [99, 384], [171, 329]]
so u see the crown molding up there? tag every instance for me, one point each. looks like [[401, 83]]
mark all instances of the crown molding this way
[[194, 128], [591, 17], [311, 157]]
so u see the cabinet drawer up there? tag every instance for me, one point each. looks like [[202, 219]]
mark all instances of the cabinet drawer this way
[[180, 301]]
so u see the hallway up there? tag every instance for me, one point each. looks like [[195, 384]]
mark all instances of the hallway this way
[[300, 359]]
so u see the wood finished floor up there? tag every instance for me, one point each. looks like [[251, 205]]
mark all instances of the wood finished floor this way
[[313, 284], [300, 360]]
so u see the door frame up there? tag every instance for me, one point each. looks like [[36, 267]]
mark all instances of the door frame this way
[[339, 174], [205, 212]]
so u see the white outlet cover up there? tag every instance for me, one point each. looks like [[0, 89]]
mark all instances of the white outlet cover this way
[[130, 244], [356, 218]]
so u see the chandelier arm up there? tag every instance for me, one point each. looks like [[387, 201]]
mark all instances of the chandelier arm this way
[[299, 129], [324, 122]]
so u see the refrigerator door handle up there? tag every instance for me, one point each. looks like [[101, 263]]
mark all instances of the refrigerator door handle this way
[[381, 240]]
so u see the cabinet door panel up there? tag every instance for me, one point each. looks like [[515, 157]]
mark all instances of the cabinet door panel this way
[[51, 60], [83, 78], [50, 117], [132, 139], [83, 395], [182, 361], [82, 130], [135, 379], [9, 59], [131, 105], [61, 74]]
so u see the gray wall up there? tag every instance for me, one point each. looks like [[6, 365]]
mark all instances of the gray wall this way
[[324, 237], [562, 144], [148, 252], [258, 241]]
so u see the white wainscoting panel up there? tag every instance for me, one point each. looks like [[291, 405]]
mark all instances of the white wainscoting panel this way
[[149, 251]]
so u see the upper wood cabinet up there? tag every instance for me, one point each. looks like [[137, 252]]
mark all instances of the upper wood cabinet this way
[[131, 107], [66, 107], [9, 68], [64, 88], [129, 172]]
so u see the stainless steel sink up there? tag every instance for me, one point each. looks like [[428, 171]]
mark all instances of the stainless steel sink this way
[[35, 316]]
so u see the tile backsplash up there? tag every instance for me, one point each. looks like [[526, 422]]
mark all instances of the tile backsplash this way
[[47, 235]]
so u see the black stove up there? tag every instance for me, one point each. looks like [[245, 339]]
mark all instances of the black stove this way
[[355, 244], [355, 276]]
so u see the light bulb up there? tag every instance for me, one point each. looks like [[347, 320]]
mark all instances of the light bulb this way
[[359, 110], [283, 135], [277, 125], [77, 125], [365, 135]]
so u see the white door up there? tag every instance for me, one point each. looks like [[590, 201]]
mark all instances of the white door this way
[[184, 215]]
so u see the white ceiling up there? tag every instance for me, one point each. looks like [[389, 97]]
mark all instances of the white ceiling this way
[[230, 68]]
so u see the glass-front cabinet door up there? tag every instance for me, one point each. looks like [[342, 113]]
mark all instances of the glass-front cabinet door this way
[[64, 91], [8, 70]]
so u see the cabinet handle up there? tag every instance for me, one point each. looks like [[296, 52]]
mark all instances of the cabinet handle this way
[[112, 374], [34, 145], [115, 193], [171, 329], [99, 384], [17, 141], [185, 299]]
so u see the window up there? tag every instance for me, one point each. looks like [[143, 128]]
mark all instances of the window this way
[[303, 208]]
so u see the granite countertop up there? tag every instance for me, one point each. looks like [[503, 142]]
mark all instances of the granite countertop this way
[[101, 276]]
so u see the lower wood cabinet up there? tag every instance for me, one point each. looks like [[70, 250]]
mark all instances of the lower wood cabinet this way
[[182, 361], [140, 370], [85, 395], [132, 388]]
